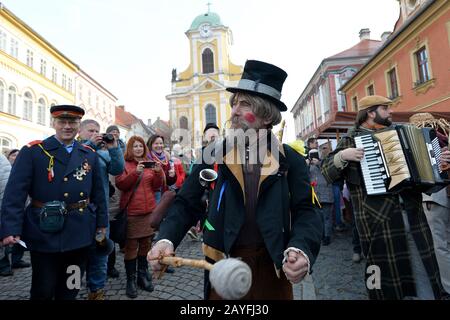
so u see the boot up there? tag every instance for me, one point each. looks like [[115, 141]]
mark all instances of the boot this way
[[130, 267], [112, 271], [97, 295], [144, 280]]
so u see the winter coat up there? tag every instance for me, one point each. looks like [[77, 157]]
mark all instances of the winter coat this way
[[111, 161], [284, 214], [181, 175], [5, 169], [76, 180], [143, 201], [381, 228]]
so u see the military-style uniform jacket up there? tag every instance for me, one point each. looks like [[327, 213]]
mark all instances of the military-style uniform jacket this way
[[381, 228], [76, 177], [285, 214]]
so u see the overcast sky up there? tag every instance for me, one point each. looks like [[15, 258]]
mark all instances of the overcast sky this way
[[130, 47]]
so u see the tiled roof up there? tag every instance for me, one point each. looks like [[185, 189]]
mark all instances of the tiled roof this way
[[124, 118], [363, 49]]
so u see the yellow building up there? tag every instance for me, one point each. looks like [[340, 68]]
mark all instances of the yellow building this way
[[198, 94], [34, 75]]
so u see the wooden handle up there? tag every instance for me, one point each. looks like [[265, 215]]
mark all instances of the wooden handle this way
[[178, 262]]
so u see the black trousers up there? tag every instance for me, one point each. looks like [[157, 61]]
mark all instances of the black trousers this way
[[51, 272]]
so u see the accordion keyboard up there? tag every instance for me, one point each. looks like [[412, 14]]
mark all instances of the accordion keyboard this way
[[372, 165]]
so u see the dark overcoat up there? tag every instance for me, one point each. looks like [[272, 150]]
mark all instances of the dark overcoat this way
[[29, 178], [285, 214]]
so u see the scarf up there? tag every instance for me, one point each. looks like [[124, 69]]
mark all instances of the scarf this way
[[160, 157]]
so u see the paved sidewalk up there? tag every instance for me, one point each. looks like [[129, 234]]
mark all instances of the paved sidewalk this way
[[334, 277]]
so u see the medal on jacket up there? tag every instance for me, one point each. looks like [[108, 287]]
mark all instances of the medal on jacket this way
[[82, 171]]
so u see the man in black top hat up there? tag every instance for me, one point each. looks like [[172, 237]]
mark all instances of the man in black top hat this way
[[68, 206], [260, 211]]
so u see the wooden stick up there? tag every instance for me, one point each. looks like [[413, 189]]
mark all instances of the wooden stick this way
[[178, 262]]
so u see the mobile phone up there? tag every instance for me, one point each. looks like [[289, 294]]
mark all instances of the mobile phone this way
[[149, 164], [314, 155]]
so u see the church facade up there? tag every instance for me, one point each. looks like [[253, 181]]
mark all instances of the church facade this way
[[199, 93]]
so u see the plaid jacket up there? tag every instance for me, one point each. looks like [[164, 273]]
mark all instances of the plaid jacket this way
[[381, 228]]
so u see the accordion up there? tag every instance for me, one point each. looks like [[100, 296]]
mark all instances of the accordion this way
[[401, 157]]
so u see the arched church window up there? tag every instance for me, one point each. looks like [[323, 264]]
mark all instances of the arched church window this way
[[208, 61], [183, 123], [211, 114]]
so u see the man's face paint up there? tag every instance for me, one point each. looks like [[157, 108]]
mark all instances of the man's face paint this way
[[250, 117]]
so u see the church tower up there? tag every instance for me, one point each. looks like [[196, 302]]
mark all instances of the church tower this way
[[198, 93]]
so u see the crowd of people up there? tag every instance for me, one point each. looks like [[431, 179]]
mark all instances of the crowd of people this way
[[273, 209]]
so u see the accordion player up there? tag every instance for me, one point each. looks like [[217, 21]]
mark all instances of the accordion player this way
[[399, 157]]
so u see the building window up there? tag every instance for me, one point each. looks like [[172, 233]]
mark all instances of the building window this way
[[54, 74], [14, 48], [370, 90], [5, 144], [12, 96], [208, 61], [43, 67], [355, 103], [96, 103], [210, 114], [30, 59], [64, 81], [2, 41], [69, 86], [423, 70], [183, 123], [27, 106], [393, 83], [89, 98], [2, 95], [80, 92], [41, 112]]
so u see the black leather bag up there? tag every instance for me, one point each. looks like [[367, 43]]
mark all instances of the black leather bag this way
[[52, 217], [118, 225]]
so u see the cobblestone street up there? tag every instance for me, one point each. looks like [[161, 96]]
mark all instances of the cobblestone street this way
[[335, 277]]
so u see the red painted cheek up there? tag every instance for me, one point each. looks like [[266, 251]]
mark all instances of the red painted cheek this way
[[250, 117]]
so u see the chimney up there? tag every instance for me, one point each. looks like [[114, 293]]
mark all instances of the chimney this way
[[364, 34], [121, 107], [149, 122], [385, 35]]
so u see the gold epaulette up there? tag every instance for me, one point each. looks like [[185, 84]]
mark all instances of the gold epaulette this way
[[88, 147], [33, 143]]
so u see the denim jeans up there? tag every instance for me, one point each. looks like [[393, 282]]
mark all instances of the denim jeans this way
[[157, 196], [96, 270], [325, 213], [337, 204]]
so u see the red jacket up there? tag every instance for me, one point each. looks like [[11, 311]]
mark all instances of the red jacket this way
[[143, 201], [181, 175]]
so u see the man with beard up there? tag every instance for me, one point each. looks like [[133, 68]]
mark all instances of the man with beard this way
[[394, 232], [259, 208]]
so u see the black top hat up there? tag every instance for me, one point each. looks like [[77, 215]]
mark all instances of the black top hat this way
[[264, 80], [211, 125], [66, 111]]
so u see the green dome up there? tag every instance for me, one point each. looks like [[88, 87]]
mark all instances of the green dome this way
[[210, 17]]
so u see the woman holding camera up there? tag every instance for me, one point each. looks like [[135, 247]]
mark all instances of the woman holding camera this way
[[137, 183], [156, 146]]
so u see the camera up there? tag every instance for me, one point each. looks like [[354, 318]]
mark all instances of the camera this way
[[107, 138], [149, 164]]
